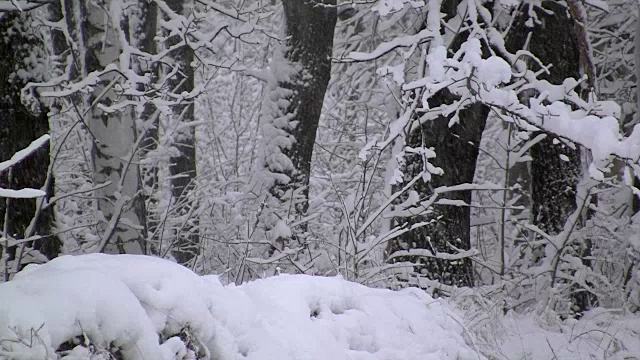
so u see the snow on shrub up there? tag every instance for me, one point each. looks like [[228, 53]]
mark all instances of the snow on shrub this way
[[139, 307]]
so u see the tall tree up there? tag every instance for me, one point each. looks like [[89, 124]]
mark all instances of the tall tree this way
[[182, 164], [100, 34], [456, 146], [22, 61], [555, 39], [149, 117], [635, 202], [300, 77]]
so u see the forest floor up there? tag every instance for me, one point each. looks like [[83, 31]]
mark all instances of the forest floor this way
[[136, 307]]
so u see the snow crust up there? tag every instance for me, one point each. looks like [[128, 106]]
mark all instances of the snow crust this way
[[139, 304]]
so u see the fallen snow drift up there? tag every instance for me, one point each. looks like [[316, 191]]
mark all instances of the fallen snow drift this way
[[149, 308]]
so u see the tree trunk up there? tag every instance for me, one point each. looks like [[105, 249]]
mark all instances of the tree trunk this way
[[114, 158], [310, 27], [554, 180], [19, 126], [149, 117], [553, 40], [635, 200], [183, 166], [456, 149], [296, 99]]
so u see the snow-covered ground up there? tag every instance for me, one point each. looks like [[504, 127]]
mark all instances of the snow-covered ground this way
[[537, 333], [600, 334], [147, 308], [136, 307]]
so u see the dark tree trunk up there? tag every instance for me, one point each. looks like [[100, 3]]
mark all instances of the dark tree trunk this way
[[149, 116], [553, 180], [635, 200], [456, 149], [554, 40], [183, 167], [19, 126], [310, 27], [297, 101]]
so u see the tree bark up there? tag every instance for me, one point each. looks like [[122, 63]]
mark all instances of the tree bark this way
[[554, 40], [635, 200], [149, 117], [98, 43], [296, 101], [554, 180], [310, 27], [183, 166], [19, 126], [456, 149]]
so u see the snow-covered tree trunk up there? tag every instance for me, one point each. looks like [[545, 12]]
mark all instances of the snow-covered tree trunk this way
[[99, 31], [456, 147], [555, 164], [310, 27], [300, 74], [182, 164], [22, 60]]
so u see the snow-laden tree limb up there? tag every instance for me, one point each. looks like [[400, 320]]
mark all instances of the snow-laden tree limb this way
[[22, 154]]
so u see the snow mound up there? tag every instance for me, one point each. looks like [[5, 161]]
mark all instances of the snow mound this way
[[148, 308]]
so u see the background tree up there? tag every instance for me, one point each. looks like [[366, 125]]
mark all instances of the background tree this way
[[182, 162], [554, 178], [23, 60], [300, 74], [555, 164], [100, 35], [456, 143], [149, 118]]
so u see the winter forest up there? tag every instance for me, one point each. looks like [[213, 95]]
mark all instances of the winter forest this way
[[319, 179]]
